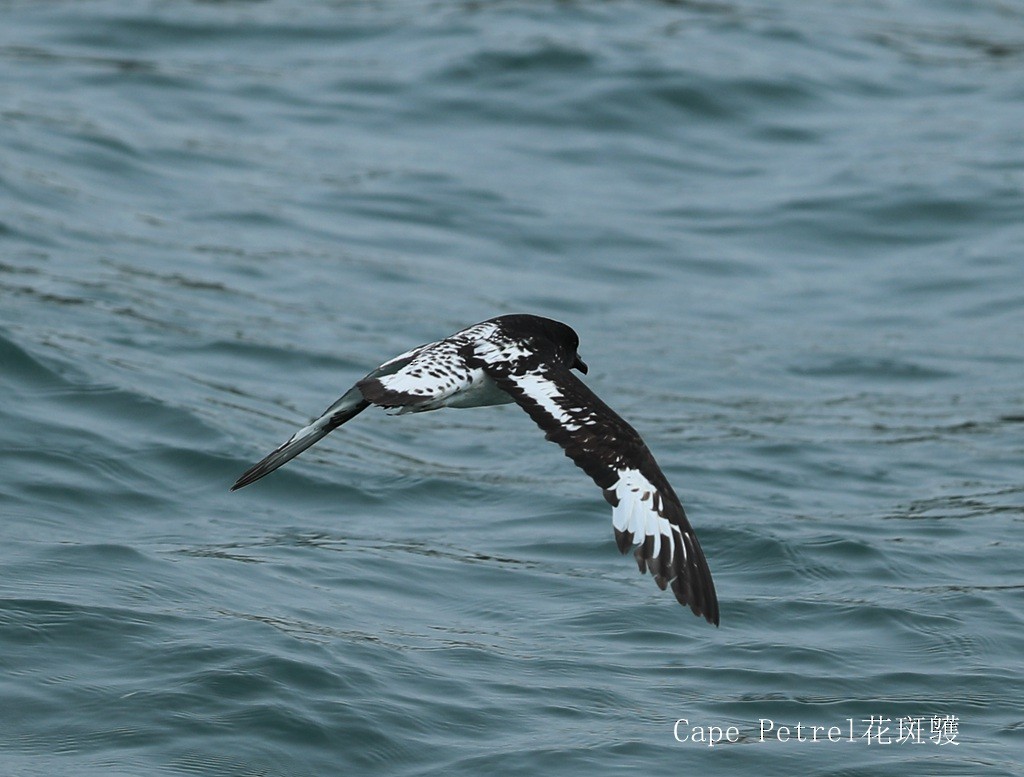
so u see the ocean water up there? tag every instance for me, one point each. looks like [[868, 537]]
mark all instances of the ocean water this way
[[790, 237]]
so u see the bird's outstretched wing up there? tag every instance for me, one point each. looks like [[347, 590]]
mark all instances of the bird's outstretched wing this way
[[645, 509], [422, 384], [434, 374], [351, 404]]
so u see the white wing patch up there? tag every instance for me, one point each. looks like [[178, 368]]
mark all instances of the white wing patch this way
[[491, 351], [545, 392], [637, 513], [436, 376]]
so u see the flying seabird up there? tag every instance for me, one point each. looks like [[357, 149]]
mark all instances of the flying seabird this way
[[528, 360]]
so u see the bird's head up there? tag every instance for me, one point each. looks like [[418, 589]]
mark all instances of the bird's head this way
[[566, 343]]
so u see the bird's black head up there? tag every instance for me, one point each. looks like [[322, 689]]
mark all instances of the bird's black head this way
[[564, 339], [567, 343]]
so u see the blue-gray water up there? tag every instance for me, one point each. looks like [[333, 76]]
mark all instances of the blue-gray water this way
[[791, 238]]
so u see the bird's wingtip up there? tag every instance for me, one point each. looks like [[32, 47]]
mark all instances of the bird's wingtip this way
[[247, 477]]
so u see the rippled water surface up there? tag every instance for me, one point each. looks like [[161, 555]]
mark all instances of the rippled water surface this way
[[790, 237]]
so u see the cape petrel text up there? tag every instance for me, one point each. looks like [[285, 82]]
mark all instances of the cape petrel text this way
[[528, 360]]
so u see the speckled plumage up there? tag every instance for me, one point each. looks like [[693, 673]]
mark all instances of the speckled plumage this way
[[529, 360]]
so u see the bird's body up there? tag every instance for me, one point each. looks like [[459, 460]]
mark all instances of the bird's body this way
[[528, 360]]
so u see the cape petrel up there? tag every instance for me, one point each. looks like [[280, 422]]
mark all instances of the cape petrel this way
[[528, 360]]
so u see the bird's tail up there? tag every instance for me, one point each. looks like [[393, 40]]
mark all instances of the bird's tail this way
[[346, 408]]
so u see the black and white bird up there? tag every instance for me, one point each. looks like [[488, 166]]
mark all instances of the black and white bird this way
[[528, 360]]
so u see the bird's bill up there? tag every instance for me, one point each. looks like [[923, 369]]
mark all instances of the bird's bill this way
[[580, 365]]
